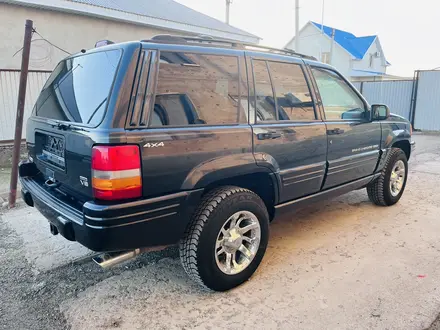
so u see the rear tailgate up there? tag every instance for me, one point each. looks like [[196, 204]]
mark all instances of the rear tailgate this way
[[62, 165], [70, 107]]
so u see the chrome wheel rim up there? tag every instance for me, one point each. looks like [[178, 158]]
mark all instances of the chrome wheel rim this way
[[237, 242], [397, 178]]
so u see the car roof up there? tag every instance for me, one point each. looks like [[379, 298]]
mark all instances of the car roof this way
[[209, 42], [209, 45]]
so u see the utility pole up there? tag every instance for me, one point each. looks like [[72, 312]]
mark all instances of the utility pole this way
[[332, 45], [28, 28], [228, 4], [296, 25], [322, 31]]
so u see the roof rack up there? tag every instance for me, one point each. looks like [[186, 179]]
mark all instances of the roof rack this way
[[209, 41]]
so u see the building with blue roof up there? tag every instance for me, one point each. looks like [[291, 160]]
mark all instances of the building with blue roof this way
[[358, 58]]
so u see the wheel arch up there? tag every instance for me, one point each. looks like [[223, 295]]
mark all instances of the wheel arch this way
[[262, 183], [239, 170], [404, 145]]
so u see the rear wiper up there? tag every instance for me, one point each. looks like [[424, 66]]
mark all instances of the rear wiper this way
[[64, 127], [96, 110]]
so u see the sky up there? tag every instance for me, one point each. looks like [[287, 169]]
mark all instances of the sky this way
[[407, 30]]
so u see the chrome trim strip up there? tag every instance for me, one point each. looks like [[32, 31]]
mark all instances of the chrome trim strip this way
[[353, 163], [312, 178], [133, 214], [92, 207], [303, 168], [132, 223], [334, 191], [302, 175], [343, 170], [357, 156]]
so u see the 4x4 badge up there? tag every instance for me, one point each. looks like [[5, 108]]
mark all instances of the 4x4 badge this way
[[154, 145]]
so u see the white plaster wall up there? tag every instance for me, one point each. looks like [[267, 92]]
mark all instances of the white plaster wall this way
[[378, 62], [69, 31]]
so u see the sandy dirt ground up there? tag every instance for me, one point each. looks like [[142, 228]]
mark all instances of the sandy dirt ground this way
[[341, 264]]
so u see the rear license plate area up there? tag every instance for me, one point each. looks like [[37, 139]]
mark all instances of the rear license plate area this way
[[51, 150]]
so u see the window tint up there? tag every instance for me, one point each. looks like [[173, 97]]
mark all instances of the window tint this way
[[338, 98], [265, 104], [78, 89], [292, 92], [196, 89]]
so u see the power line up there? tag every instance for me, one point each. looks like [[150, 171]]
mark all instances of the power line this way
[[22, 47], [311, 35], [33, 30], [65, 51], [44, 39]]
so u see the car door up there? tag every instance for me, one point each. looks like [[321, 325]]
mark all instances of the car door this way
[[353, 139], [188, 118], [288, 133]]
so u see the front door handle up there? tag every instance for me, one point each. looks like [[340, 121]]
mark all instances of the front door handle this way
[[268, 136], [335, 131]]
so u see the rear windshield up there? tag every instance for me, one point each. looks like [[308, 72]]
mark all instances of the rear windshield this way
[[78, 89]]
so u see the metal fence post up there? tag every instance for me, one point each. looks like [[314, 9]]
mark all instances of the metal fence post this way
[[412, 113], [20, 111]]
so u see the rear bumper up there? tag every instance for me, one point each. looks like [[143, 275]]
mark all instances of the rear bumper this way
[[413, 145], [125, 226]]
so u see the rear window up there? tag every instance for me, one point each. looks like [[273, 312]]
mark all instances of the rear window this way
[[78, 89]]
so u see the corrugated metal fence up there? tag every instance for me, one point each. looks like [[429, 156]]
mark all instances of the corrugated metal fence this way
[[417, 100], [394, 93], [9, 80], [427, 103], [358, 85]]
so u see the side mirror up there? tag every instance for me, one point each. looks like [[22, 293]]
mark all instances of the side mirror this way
[[380, 111]]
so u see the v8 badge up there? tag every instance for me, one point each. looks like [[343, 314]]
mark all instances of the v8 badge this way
[[84, 181]]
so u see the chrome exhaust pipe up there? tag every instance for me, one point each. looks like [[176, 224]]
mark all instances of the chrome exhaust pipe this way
[[110, 259]]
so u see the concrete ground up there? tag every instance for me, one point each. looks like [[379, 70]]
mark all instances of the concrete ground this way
[[5, 175], [342, 264]]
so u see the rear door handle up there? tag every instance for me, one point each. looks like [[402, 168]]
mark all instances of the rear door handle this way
[[335, 131], [268, 136]]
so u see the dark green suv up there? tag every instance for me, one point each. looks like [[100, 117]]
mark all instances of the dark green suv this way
[[141, 145]]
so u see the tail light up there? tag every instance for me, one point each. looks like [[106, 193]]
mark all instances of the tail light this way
[[116, 172]]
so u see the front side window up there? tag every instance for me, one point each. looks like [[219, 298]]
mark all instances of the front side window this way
[[292, 92], [338, 98], [197, 89]]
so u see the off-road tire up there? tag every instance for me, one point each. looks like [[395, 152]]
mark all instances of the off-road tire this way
[[197, 247], [379, 190]]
